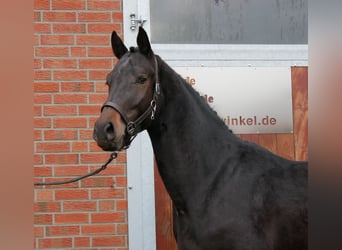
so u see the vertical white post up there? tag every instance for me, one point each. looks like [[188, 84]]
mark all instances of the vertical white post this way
[[140, 163]]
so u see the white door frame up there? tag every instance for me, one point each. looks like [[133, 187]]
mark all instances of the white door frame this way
[[140, 164]]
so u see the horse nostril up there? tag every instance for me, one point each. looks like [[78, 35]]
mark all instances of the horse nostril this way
[[109, 131]]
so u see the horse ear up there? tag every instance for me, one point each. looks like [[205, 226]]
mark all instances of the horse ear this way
[[143, 42], [119, 49]]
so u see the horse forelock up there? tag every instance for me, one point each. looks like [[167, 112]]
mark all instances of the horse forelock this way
[[133, 49]]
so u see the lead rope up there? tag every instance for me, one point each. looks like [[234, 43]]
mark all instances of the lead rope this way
[[103, 167]]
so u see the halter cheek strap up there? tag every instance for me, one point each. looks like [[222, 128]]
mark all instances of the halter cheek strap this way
[[131, 126]]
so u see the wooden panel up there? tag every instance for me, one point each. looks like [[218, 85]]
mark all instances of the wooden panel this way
[[268, 141], [164, 227], [285, 146], [300, 111], [250, 137]]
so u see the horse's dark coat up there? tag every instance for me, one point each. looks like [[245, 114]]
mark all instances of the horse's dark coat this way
[[227, 193]]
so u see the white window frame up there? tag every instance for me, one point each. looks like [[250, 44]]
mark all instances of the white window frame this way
[[235, 55]]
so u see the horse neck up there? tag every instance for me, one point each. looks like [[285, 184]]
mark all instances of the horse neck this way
[[185, 136]]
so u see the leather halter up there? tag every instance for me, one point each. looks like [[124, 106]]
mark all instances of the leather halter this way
[[131, 126]]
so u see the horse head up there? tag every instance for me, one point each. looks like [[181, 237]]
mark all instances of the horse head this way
[[132, 94]]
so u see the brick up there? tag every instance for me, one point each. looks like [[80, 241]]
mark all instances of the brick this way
[[43, 195], [82, 242], [53, 16], [41, 4], [103, 5], [37, 159], [122, 229], [61, 158], [121, 158], [52, 51], [101, 87], [122, 205], [71, 194], [77, 87], [94, 157], [60, 134], [37, 110], [36, 16], [57, 243], [71, 218], [42, 99], [69, 28], [70, 75], [41, 28], [73, 170], [62, 230], [120, 181], [79, 206], [107, 193], [71, 122], [95, 63], [92, 40], [42, 75], [37, 135], [42, 171], [59, 110], [44, 207], [40, 87], [41, 122], [86, 134], [36, 40], [70, 98], [56, 39], [98, 229], [53, 147], [117, 16], [37, 63], [89, 109], [104, 217], [68, 5], [97, 182], [106, 205], [79, 146], [98, 98], [112, 170], [100, 52], [93, 119], [98, 75], [94, 16], [78, 51], [42, 219], [108, 241], [103, 27], [94, 147], [38, 231]]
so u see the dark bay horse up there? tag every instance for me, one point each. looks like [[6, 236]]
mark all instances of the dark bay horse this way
[[227, 193]]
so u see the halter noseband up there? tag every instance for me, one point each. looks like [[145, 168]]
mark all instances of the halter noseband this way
[[131, 126]]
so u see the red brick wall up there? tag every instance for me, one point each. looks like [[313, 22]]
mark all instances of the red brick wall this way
[[72, 56]]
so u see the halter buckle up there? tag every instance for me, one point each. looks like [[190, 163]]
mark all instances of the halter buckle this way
[[153, 107], [130, 128]]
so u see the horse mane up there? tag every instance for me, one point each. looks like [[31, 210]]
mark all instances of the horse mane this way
[[195, 94]]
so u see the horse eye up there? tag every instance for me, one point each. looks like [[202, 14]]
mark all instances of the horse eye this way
[[141, 80]]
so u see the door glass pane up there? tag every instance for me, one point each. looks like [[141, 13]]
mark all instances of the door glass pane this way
[[229, 21]]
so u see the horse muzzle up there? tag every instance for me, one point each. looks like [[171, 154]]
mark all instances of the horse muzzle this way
[[109, 132]]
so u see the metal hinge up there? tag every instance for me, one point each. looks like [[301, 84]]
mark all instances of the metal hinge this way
[[135, 22]]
